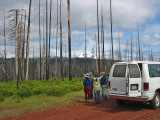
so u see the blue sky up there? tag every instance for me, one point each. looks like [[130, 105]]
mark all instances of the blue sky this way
[[126, 15]]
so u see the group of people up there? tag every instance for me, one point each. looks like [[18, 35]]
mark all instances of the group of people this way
[[96, 84]]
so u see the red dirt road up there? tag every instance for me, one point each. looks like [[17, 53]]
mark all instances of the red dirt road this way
[[107, 110]]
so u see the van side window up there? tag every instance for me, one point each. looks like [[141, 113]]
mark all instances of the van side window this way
[[119, 71], [154, 70], [134, 71]]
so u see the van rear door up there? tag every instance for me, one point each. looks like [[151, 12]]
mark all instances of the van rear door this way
[[134, 80], [118, 79]]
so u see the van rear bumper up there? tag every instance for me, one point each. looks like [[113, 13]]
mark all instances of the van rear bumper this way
[[122, 97]]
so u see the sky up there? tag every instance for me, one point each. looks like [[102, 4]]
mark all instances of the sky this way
[[126, 15]]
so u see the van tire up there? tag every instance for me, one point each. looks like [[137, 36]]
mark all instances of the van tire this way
[[120, 102], [155, 102]]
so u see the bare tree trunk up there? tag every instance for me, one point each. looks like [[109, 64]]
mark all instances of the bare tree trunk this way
[[5, 52], [69, 42], [119, 49], [61, 57], [16, 47], [111, 30], [139, 49], [28, 38], [102, 37], [33, 65], [40, 56], [47, 40], [56, 74], [131, 48], [96, 54], [98, 40], [43, 65], [23, 48], [85, 51], [50, 25]]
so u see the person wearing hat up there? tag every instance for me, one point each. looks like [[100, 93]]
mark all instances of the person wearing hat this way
[[96, 88], [104, 86], [87, 87], [91, 78]]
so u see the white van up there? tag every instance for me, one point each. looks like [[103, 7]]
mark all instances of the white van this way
[[135, 81]]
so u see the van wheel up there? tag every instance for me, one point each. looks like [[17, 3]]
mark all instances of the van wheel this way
[[120, 102], [155, 102]]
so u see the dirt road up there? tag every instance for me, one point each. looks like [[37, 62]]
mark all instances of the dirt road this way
[[107, 110]]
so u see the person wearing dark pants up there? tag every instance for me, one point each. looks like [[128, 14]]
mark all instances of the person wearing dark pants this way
[[87, 87], [104, 86]]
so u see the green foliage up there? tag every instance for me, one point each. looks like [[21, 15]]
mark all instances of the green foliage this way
[[35, 87]]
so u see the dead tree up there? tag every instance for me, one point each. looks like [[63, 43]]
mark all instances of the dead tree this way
[[102, 38], [85, 50], [98, 40], [119, 48], [111, 31], [5, 50], [61, 57], [47, 77], [23, 47], [14, 35], [57, 42], [43, 64], [69, 42], [40, 55], [139, 46], [50, 25], [131, 48], [28, 38]]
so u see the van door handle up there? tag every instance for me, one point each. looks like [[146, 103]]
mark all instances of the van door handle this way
[[138, 90]]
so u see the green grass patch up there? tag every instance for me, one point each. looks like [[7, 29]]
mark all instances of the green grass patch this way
[[34, 95], [17, 106]]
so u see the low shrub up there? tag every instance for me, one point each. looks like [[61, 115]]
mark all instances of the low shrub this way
[[35, 87]]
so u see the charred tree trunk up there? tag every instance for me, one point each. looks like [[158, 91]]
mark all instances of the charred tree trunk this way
[[111, 31], [50, 24], [131, 48], [98, 40], [85, 51], [43, 65], [16, 47], [61, 57], [56, 73], [23, 48], [69, 42], [139, 46], [5, 52], [40, 55], [28, 38], [47, 77]]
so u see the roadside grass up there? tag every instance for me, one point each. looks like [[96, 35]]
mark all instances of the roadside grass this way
[[14, 106]]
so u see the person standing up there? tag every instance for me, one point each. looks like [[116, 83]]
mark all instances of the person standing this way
[[91, 78], [104, 86], [96, 88], [87, 87]]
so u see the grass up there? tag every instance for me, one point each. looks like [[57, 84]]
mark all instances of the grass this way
[[15, 106]]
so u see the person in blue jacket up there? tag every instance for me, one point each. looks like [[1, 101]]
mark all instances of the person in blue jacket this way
[[87, 87], [103, 85]]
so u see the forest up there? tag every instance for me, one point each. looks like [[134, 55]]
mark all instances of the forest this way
[[38, 64]]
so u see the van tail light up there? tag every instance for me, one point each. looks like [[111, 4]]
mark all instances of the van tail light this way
[[146, 86], [109, 83]]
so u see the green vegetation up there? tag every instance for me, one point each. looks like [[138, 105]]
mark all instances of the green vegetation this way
[[35, 87], [34, 95], [35, 103]]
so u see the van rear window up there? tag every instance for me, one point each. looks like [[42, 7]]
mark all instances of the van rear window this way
[[119, 71], [134, 71], [154, 70]]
